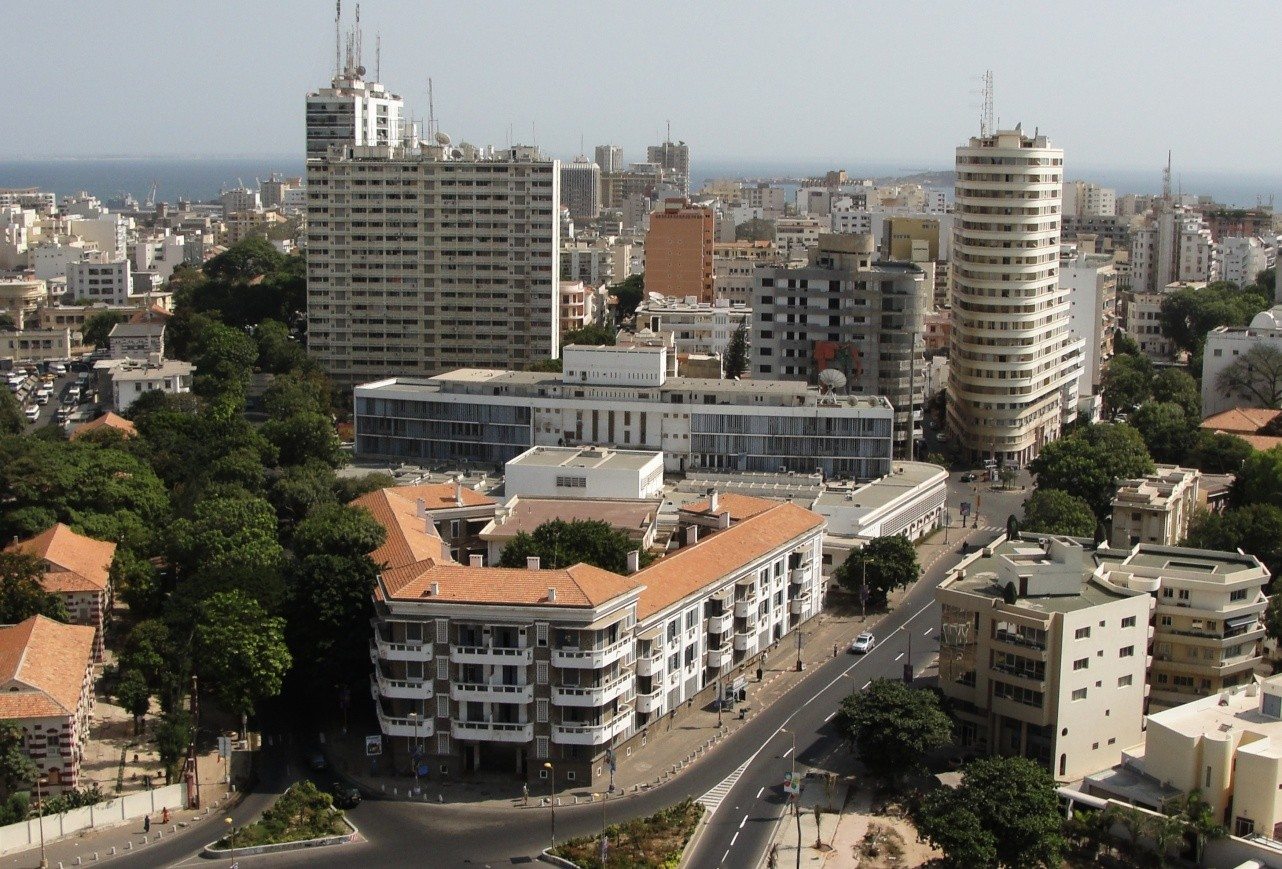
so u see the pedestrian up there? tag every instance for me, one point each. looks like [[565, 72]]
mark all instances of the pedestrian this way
[[525, 793], [146, 824], [834, 650], [164, 815]]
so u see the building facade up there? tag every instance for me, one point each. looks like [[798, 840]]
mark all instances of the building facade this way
[[581, 188], [1225, 346], [1156, 508], [696, 327], [97, 279], [1091, 283], [584, 472], [78, 570], [1014, 363], [678, 251]]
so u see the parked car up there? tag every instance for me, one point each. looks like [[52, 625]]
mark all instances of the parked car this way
[[345, 796], [33, 413], [968, 477], [863, 644]]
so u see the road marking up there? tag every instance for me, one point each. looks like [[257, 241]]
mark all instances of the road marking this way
[[830, 717], [788, 752], [732, 839], [900, 655], [926, 633], [744, 821], [760, 792], [712, 799], [866, 684], [725, 855]]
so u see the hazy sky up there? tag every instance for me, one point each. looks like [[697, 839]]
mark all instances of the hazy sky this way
[[842, 83]]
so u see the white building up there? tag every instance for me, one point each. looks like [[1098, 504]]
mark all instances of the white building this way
[[1224, 345], [1156, 508], [584, 472], [581, 188], [696, 327], [1014, 363], [352, 111], [1242, 258], [794, 234], [1091, 283], [50, 259], [609, 158], [37, 345], [108, 233], [1171, 244], [98, 279], [160, 255], [1087, 199], [137, 340], [129, 379]]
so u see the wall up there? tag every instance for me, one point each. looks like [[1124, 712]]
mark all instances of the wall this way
[[26, 834]]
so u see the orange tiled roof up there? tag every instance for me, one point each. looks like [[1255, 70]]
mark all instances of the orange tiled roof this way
[[150, 315], [1241, 420], [73, 562], [42, 667], [685, 571], [410, 538], [107, 420], [740, 506], [1259, 442]]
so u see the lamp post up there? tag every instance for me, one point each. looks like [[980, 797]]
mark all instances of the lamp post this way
[[800, 665], [720, 697], [44, 862], [796, 797], [231, 836], [413, 716], [552, 796]]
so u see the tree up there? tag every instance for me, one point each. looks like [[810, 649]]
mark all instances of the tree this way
[[245, 260], [885, 564], [1178, 386], [240, 651], [137, 582], [331, 604], [1126, 383], [22, 593], [8, 323], [559, 544], [1259, 481], [1054, 511], [894, 726], [1189, 313], [134, 696], [737, 353], [1273, 618], [337, 529], [16, 767], [1217, 452], [1167, 431], [277, 351], [1013, 799], [299, 489], [756, 229], [1256, 529], [1198, 819], [1125, 345], [629, 292], [304, 437], [348, 489], [173, 736], [98, 327], [224, 358], [230, 543], [589, 336], [1255, 376], [297, 392], [148, 651], [1090, 462], [12, 421]]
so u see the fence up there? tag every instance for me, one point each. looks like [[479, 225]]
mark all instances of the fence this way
[[26, 834]]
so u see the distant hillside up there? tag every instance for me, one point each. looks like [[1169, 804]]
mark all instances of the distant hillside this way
[[925, 179]]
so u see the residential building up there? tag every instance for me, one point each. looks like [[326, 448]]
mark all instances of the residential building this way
[[21, 297], [1141, 319], [577, 303], [584, 472], [581, 188], [73, 317], [97, 279], [678, 251], [673, 159], [107, 233], [49, 259], [696, 327], [1014, 363], [1171, 243], [1251, 424], [596, 262], [129, 378], [1087, 199], [160, 254], [467, 276], [78, 570], [1091, 284], [46, 691], [137, 340], [733, 267], [1242, 258], [1156, 508], [37, 345], [1043, 658], [609, 158], [1224, 345], [108, 421], [351, 111], [843, 310], [937, 328], [1107, 233], [795, 235], [522, 514], [768, 199], [623, 397], [910, 239]]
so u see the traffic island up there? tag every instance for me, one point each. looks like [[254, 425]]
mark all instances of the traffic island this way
[[302, 817], [655, 841]]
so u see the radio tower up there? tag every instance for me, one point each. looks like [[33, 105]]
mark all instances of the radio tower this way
[[986, 119], [1166, 178], [338, 38]]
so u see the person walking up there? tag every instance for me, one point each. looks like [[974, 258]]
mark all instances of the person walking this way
[[164, 815], [146, 824]]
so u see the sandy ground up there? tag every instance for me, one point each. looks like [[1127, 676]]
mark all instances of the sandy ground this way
[[857, 819]]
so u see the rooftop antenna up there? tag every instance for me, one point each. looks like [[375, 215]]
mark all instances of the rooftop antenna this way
[[1166, 178], [378, 57], [668, 137], [986, 125], [431, 110], [338, 38], [358, 37]]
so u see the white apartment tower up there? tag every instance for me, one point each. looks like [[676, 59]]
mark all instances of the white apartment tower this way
[[352, 111], [1014, 361], [581, 188], [609, 158]]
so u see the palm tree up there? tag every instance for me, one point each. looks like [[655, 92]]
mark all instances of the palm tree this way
[[1198, 819], [1165, 832], [1132, 820]]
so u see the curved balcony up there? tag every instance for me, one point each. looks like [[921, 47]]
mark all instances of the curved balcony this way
[[593, 734], [414, 650], [492, 731], [651, 702], [720, 658], [650, 665], [590, 659], [799, 604], [745, 641], [414, 728], [745, 608], [720, 624], [409, 689], [497, 656], [595, 695], [494, 693]]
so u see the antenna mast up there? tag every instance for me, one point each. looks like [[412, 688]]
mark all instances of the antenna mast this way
[[986, 125], [338, 38], [358, 36], [378, 57], [431, 112], [1166, 178]]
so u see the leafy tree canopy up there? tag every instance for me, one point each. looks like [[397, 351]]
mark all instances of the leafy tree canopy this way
[[230, 543], [98, 327], [589, 336], [1188, 314], [1166, 429], [12, 421], [630, 291], [1054, 511], [886, 563], [757, 229], [337, 529], [560, 544], [1256, 529], [1090, 461], [1177, 386], [1259, 481], [1217, 452], [21, 593], [1126, 383], [240, 650], [894, 725], [16, 767], [304, 437]]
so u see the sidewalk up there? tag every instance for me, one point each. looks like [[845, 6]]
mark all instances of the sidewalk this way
[[669, 746], [800, 824]]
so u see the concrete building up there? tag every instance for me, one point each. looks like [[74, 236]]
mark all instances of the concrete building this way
[[673, 160], [46, 691], [21, 297], [49, 259], [1224, 346], [1156, 508], [467, 277], [581, 188], [769, 200], [128, 379], [1141, 319], [1014, 363], [521, 514], [1091, 283], [596, 262], [733, 268], [845, 311], [609, 158], [78, 570], [1043, 658], [137, 340], [98, 279], [584, 472], [623, 397], [696, 327], [1242, 258], [108, 233], [796, 235], [910, 239], [1087, 199], [520, 670], [1170, 244], [37, 345], [351, 111], [678, 251]]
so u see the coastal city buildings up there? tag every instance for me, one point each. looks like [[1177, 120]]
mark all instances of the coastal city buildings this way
[[1014, 364], [678, 251], [581, 188], [696, 327], [1225, 346], [1156, 508], [673, 161], [1091, 282]]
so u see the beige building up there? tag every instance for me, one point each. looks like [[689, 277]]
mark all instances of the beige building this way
[[678, 251], [20, 297], [910, 239], [1055, 675], [733, 265], [1156, 508], [37, 345]]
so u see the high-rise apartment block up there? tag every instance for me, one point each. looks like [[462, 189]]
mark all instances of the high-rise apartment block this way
[[843, 310], [1014, 363], [1084, 199], [673, 158], [1243, 257], [678, 251], [1091, 282], [352, 111], [581, 188], [1172, 243], [609, 158]]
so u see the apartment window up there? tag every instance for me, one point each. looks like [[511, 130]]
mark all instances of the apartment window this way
[[1079, 694], [443, 668], [442, 743], [541, 711], [541, 750], [1081, 663], [541, 633], [1243, 827], [1184, 594], [1167, 592], [1165, 621], [1128, 622], [442, 630], [543, 773], [1126, 651], [1081, 633], [541, 672], [1124, 681], [1240, 594], [442, 706]]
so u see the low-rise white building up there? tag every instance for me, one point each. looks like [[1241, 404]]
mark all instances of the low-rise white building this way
[[98, 279], [584, 472], [129, 378], [37, 345], [696, 327], [1156, 508], [137, 340], [1224, 346]]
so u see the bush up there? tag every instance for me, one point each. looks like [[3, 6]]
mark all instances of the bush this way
[[656, 841], [302, 812]]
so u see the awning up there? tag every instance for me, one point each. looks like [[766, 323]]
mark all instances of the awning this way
[[1241, 621]]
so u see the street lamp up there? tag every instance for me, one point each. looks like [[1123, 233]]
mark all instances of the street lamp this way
[[231, 836], [413, 716], [796, 797], [44, 862], [552, 794]]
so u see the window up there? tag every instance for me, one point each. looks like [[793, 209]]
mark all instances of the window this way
[[442, 743], [543, 773], [1081, 663], [569, 776], [1079, 694], [1243, 827], [1128, 622], [541, 750], [442, 706], [1081, 633], [1166, 621], [442, 630], [541, 633], [1124, 681], [1126, 651], [443, 668], [541, 672], [1240, 594], [541, 711]]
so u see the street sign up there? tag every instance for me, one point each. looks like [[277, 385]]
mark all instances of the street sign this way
[[374, 745], [964, 509], [224, 746]]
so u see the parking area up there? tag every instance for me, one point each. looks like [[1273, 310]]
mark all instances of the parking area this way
[[52, 392]]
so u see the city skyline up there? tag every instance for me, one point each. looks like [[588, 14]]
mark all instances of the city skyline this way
[[765, 108]]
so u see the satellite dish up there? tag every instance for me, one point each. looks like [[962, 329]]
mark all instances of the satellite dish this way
[[831, 379], [360, 70], [442, 138]]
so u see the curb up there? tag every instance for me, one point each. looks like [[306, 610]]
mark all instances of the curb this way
[[210, 851], [694, 838], [548, 857]]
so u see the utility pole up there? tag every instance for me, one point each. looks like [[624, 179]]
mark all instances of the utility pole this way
[[800, 664], [195, 729]]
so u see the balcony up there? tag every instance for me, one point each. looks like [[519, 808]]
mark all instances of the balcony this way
[[493, 693], [651, 702], [720, 658], [492, 731], [410, 689], [799, 604], [799, 575], [590, 659], [413, 728], [745, 608], [597, 695], [652, 664], [720, 624], [745, 641], [498, 656], [412, 650], [593, 734]]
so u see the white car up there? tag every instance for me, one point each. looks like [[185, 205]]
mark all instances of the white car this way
[[33, 413], [863, 644]]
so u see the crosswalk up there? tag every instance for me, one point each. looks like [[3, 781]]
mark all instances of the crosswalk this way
[[713, 798]]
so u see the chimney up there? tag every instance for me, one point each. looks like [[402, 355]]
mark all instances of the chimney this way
[[692, 535], [475, 561], [551, 594], [435, 590], [458, 493], [712, 500], [723, 520], [634, 561], [532, 562], [420, 508]]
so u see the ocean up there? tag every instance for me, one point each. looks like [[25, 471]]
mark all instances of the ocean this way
[[202, 178]]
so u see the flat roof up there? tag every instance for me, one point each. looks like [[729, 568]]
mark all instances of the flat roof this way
[[136, 330], [903, 478], [586, 458], [633, 517], [982, 578], [1236, 708]]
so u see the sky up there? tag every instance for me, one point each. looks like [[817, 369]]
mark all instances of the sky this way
[[846, 84]]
